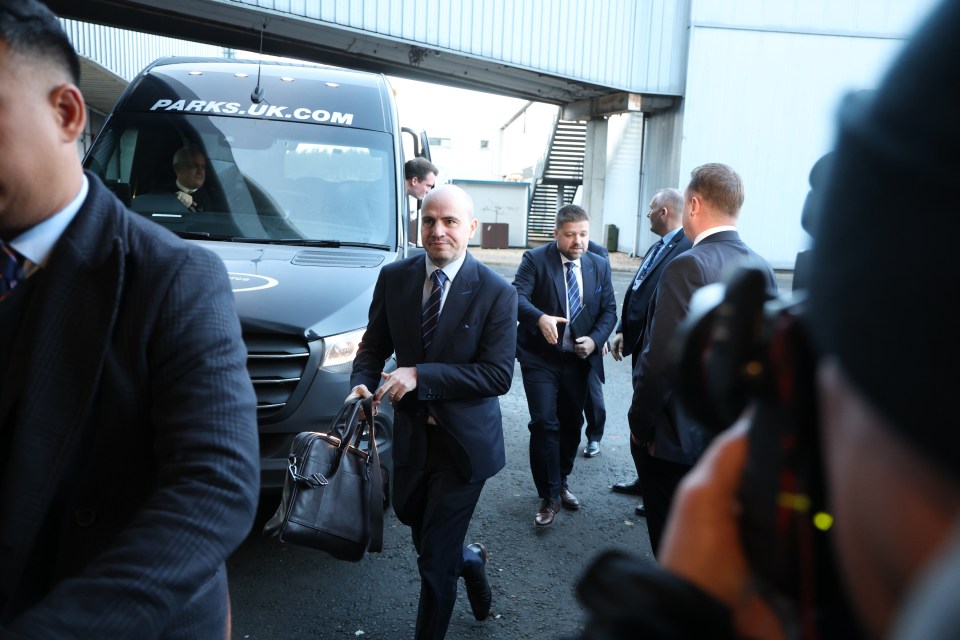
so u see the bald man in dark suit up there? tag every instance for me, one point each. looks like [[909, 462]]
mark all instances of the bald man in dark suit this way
[[665, 213]]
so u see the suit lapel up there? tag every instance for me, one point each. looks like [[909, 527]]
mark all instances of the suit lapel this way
[[411, 298], [667, 249], [74, 315], [555, 269], [589, 274], [462, 293]]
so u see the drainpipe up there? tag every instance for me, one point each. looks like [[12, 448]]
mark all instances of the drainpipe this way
[[640, 202]]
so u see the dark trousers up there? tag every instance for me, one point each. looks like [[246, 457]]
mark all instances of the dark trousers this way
[[556, 391], [659, 480], [595, 409], [637, 452], [437, 504]]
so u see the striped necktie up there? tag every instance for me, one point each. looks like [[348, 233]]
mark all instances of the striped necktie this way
[[431, 310], [648, 263], [573, 291], [11, 269]]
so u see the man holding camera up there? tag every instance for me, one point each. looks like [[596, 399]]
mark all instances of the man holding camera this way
[[673, 440], [886, 416]]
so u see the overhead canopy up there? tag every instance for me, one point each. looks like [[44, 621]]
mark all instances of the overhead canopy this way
[[238, 25]]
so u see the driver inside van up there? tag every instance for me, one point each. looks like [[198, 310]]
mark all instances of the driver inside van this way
[[190, 165]]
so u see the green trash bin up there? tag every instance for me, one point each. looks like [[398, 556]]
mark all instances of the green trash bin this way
[[611, 237]]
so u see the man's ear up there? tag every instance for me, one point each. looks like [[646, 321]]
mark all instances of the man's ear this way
[[70, 110], [695, 205]]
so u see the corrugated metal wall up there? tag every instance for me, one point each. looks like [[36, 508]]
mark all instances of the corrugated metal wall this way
[[633, 45], [125, 52], [863, 18], [763, 98]]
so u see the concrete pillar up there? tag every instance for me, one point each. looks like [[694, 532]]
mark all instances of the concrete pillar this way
[[594, 172]]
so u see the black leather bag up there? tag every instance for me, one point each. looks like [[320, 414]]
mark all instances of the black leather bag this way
[[333, 493]]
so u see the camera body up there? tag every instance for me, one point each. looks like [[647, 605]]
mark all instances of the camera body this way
[[742, 348]]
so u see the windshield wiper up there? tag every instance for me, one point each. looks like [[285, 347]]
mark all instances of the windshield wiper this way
[[334, 244], [200, 235]]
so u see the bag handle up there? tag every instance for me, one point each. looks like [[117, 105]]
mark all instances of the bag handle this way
[[373, 462], [353, 435], [349, 415]]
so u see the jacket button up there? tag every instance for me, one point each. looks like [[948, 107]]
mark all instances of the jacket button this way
[[85, 517]]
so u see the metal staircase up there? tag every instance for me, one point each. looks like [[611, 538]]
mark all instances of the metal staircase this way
[[559, 173]]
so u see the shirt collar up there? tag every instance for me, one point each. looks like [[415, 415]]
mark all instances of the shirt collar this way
[[183, 188], [37, 243], [710, 232], [451, 270]]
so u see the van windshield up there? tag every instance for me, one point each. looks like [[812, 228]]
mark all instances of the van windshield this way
[[226, 178]]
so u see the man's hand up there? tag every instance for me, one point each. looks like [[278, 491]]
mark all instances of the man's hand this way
[[396, 384], [361, 391], [185, 199], [701, 540], [584, 346], [548, 327], [616, 347]]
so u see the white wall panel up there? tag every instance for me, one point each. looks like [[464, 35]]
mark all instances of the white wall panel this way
[[765, 103], [621, 199]]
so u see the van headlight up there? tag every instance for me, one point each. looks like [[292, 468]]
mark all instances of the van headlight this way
[[340, 350]]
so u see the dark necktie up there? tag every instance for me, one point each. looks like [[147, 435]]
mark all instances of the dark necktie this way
[[573, 291], [431, 310], [11, 270], [648, 263]]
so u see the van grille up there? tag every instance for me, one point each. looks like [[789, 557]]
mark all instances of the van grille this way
[[337, 258], [276, 365]]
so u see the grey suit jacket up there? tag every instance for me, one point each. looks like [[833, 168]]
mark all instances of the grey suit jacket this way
[[655, 415], [133, 470]]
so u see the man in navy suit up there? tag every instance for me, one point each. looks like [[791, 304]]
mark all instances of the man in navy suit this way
[[451, 368], [556, 282], [666, 211], [129, 465], [673, 440]]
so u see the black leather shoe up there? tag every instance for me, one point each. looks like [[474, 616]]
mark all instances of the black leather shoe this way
[[641, 510], [547, 513], [568, 500], [631, 488], [478, 589], [592, 450]]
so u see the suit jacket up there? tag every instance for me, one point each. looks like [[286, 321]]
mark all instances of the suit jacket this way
[[459, 379], [655, 414], [599, 249], [635, 303], [133, 470], [541, 285]]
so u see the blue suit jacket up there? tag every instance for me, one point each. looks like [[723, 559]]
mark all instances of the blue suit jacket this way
[[541, 286], [635, 303], [655, 414], [134, 467], [460, 378]]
